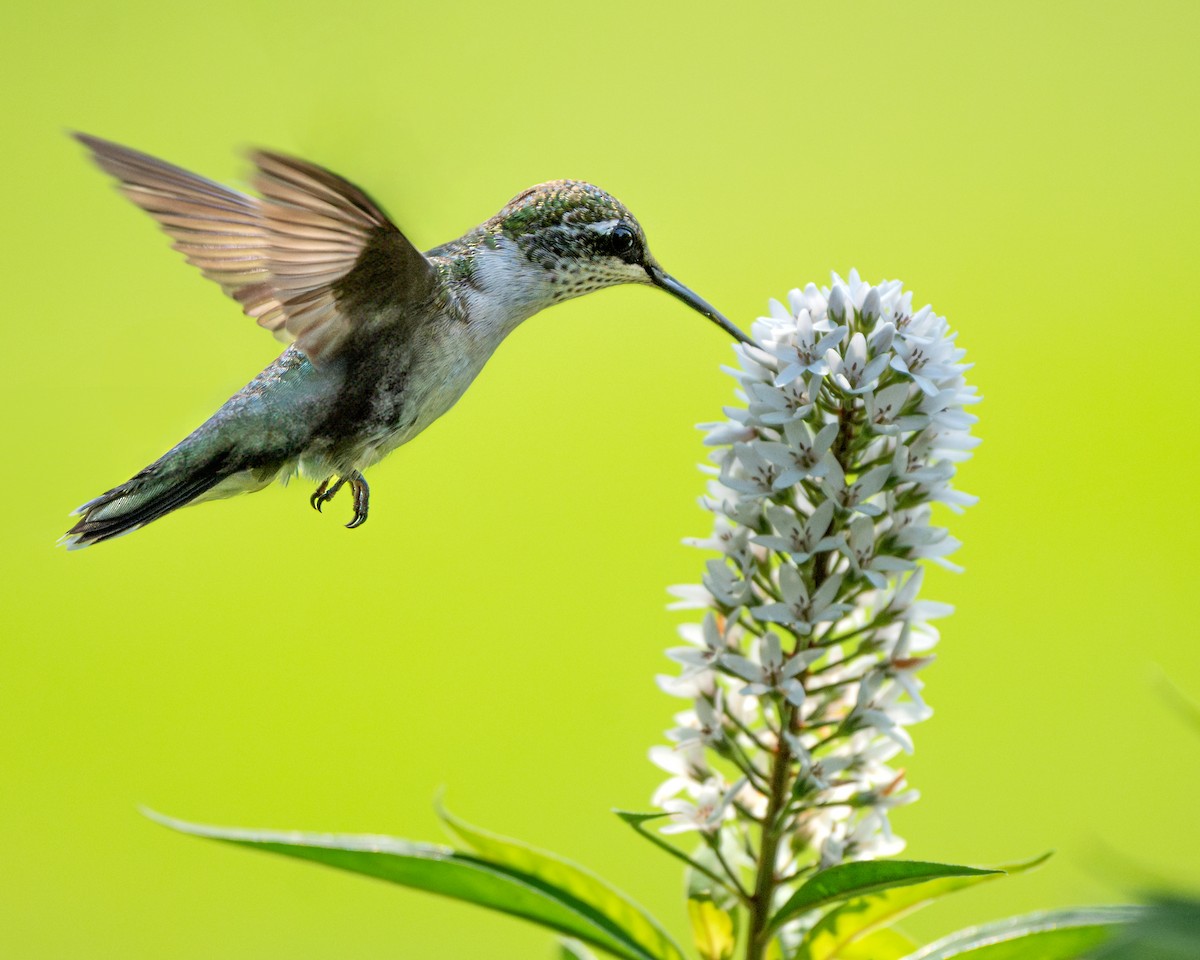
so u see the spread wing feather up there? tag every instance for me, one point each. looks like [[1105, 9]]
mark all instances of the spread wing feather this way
[[288, 257]]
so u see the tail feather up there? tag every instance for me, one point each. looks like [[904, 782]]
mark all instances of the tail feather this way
[[156, 491]]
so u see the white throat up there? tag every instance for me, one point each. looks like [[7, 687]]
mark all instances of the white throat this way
[[505, 289]]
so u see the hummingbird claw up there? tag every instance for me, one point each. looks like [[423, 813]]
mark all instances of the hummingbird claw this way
[[362, 493], [324, 493], [317, 500], [362, 497]]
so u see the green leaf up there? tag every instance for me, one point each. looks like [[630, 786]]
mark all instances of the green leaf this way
[[625, 915], [439, 869], [1070, 934], [1167, 928], [864, 877], [887, 943], [861, 916], [712, 930], [569, 949]]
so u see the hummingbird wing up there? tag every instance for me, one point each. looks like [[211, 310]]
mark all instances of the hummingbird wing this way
[[315, 260]]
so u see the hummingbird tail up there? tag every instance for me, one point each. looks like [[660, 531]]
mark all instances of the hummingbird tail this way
[[163, 486]]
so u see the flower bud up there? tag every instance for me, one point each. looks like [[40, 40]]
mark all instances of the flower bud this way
[[871, 307]]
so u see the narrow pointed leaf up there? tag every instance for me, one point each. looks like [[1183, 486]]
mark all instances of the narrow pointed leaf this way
[[858, 918], [625, 917], [862, 877], [1070, 934], [570, 949], [437, 869]]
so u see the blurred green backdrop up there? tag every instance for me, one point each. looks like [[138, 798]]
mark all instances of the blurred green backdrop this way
[[1029, 168]]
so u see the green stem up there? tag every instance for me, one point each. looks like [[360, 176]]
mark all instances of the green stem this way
[[738, 757], [754, 738], [714, 844], [764, 884], [778, 816]]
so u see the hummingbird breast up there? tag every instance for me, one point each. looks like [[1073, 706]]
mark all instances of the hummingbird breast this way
[[392, 389]]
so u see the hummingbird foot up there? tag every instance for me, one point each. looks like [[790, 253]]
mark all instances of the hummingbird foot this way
[[362, 499], [324, 493], [358, 486]]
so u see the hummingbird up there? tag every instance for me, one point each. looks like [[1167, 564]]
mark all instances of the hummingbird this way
[[383, 339]]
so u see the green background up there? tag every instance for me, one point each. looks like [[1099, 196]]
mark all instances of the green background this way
[[1028, 168]]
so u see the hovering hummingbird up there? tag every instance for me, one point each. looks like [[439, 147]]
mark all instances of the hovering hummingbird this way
[[384, 339]]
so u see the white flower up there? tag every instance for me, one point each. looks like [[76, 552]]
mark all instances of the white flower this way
[[860, 550], [800, 540], [691, 597], [743, 709], [922, 541], [687, 766], [880, 711], [729, 587], [854, 373], [798, 611], [942, 492], [854, 496], [856, 290], [801, 455], [810, 299], [773, 406], [703, 723], [771, 674], [748, 472], [809, 349], [727, 537], [912, 357], [945, 410], [709, 642], [711, 807], [689, 687], [872, 837], [718, 434], [952, 445], [730, 504], [754, 802], [833, 847], [904, 602], [908, 466], [884, 408], [902, 667]]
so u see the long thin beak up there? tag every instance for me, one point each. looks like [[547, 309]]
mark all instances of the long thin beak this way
[[677, 289]]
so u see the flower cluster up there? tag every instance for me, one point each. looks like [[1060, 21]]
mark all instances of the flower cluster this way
[[802, 674]]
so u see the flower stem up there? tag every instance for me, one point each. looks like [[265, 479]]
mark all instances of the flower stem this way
[[714, 844], [765, 882], [778, 796]]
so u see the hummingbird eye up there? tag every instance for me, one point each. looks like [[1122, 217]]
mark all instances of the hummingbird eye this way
[[621, 241]]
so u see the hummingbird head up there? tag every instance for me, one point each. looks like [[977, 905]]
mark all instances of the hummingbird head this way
[[584, 239]]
